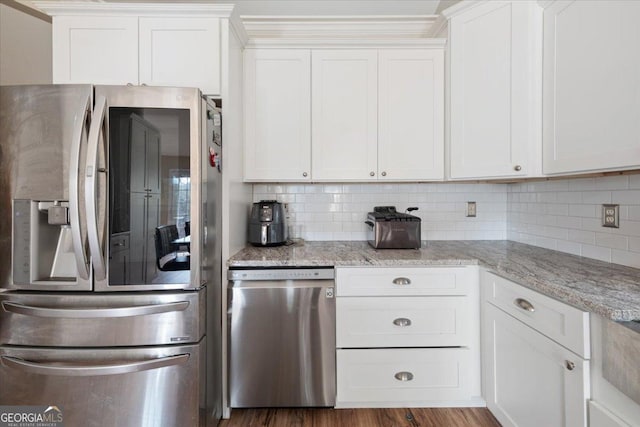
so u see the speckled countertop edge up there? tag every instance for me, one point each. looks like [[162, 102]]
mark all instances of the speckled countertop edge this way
[[609, 290]]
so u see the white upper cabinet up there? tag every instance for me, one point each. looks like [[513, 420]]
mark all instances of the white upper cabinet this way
[[180, 52], [344, 114], [144, 43], [411, 114], [277, 114], [591, 86], [95, 49], [495, 90]]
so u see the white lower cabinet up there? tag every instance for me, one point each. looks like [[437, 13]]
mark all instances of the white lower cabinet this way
[[414, 377], [407, 336], [530, 380]]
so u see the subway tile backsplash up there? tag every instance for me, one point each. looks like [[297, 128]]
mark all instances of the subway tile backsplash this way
[[566, 215], [338, 211]]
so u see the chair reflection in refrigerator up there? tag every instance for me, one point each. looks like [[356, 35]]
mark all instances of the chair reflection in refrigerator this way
[[169, 255]]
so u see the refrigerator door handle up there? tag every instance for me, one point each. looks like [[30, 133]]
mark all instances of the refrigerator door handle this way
[[79, 134], [82, 370], [79, 313], [97, 130]]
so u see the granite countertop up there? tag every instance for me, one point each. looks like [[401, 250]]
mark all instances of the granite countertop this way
[[610, 290]]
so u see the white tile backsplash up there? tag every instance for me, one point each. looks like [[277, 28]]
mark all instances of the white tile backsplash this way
[[338, 211], [564, 215], [571, 220]]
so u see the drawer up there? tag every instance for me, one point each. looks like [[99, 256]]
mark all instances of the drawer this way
[[402, 321], [390, 377], [564, 324], [405, 281], [119, 242]]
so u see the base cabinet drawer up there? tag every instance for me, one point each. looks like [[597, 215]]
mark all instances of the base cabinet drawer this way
[[564, 324], [405, 281], [402, 322], [388, 377]]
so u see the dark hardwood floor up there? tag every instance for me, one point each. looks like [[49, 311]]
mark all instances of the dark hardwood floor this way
[[400, 417]]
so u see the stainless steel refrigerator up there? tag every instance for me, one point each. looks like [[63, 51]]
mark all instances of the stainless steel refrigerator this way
[[111, 260]]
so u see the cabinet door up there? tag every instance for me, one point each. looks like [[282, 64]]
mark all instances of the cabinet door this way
[[411, 114], [591, 86], [344, 114], [494, 66], [181, 52], [277, 114], [95, 49], [531, 381], [145, 151]]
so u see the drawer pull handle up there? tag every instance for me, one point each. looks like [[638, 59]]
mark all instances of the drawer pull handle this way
[[401, 321], [401, 281], [404, 376], [569, 365], [525, 305]]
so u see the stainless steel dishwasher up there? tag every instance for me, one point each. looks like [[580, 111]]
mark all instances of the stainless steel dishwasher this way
[[282, 337]]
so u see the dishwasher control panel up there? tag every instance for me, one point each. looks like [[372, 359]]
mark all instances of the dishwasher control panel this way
[[282, 274]]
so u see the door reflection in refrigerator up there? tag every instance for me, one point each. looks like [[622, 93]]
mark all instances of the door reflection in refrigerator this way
[[150, 192]]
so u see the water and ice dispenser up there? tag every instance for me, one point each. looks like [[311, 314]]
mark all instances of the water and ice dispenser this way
[[42, 243]]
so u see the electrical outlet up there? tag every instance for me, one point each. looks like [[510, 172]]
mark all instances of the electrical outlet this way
[[611, 216], [471, 209]]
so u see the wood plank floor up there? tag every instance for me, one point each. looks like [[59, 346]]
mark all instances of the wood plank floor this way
[[323, 417]]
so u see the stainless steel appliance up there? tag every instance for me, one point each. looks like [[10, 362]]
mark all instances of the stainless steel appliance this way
[[389, 229], [282, 337], [90, 323], [267, 224]]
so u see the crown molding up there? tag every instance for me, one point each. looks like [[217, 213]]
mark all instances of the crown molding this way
[[438, 26], [461, 7], [344, 43], [54, 8], [338, 27]]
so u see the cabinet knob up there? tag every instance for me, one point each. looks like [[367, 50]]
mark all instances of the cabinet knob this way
[[401, 281], [304, 174], [404, 376], [372, 173], [524, 304], [384, 174], [569, 365], [517, 168], [402, 322]]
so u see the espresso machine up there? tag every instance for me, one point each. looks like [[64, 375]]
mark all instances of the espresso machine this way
[[268, 224]]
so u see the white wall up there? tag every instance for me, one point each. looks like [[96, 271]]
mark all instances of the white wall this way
[[566, 215], [338, 211], [25, 48]]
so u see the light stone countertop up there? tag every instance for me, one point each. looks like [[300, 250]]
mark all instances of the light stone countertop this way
[[610, 290]]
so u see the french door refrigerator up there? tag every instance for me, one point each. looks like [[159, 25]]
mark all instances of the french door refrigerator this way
[[111, 263]]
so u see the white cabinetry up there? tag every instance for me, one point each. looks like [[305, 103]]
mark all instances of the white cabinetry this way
[[495, 68], [180, 52], [531, 377], [277, 94], [411, 114], [344, 114], [95, 49], [151, 44], [591, 86], [407, 337]]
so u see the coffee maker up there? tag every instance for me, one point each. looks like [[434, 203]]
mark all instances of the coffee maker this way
[[267, 224]]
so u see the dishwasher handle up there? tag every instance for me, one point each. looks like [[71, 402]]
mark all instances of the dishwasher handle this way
[[282, 284]]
